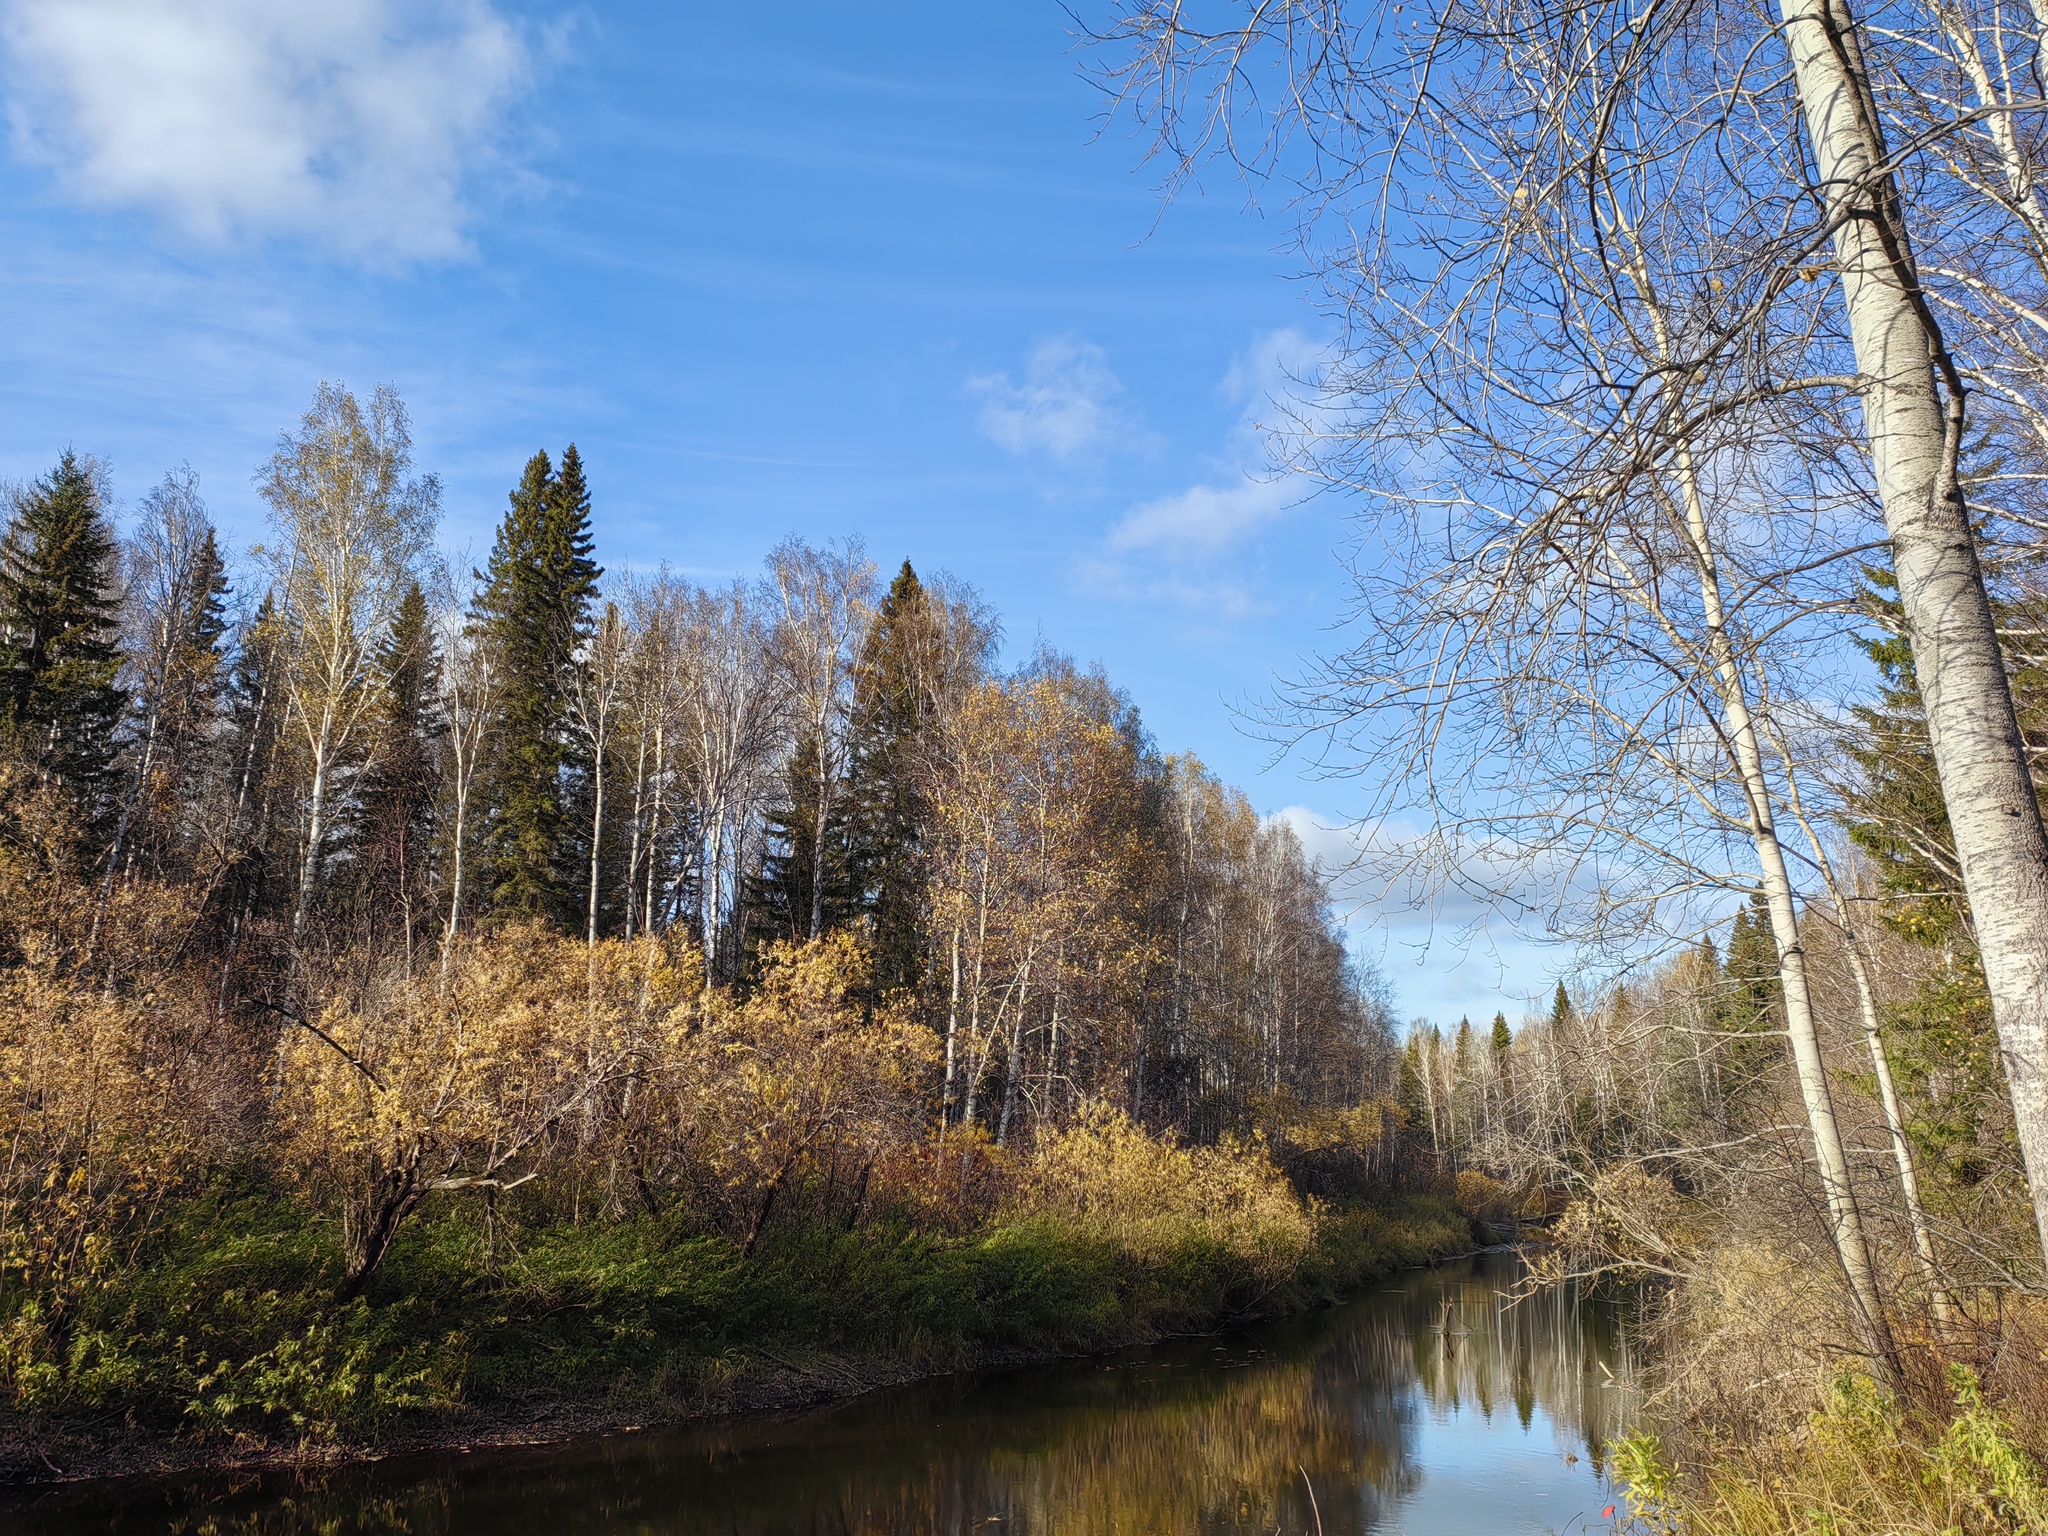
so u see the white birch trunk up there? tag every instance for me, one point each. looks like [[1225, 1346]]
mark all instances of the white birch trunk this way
[[1914, 435]]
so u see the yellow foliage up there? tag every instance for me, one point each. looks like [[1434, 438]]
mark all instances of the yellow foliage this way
[[1481, 1197], [1855, 1467], [468, 1080], [797, 1073], [1153, 1194], [87, 1114]]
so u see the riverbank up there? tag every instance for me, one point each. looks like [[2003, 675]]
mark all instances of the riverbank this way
[[230, 1353]]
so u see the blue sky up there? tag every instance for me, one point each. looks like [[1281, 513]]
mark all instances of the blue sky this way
[[812, 268]]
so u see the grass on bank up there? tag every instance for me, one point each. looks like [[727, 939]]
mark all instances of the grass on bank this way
[[1861, 1467], [229, 1327]]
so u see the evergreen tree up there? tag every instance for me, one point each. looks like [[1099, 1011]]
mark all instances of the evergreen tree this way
[[394, 815], [1751, 969], [1502, 1038], [183, 666], [60, 635], [791, 868], [1412, 1092], [1560, 1007], [885, 805], [1751, 1011], [535, 607]]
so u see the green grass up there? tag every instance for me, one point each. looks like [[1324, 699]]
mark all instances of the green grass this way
[[227, 1325]]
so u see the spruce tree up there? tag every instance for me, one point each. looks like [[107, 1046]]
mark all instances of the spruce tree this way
[[1751, 1011], [394, 817], [1502, 1037], [885, 805], [535, 606], [179, 695], [60, 636], [791, 868], [1560, 1007]]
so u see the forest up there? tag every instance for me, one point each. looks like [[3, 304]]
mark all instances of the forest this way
[[424, 990]]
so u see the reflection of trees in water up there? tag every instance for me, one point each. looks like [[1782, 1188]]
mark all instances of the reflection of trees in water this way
[[1473, 1344], [1202, 1436]]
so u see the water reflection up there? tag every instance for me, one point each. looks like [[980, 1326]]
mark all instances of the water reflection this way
[[1434, 1406]]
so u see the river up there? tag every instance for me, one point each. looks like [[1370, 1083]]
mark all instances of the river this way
[[1434, 1404]]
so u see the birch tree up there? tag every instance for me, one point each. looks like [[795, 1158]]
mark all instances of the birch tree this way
[[351, 531], [1434, 149], [731, 716], [825, 602], [470, 684]]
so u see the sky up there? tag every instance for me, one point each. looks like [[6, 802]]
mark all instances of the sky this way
[[878, 271]]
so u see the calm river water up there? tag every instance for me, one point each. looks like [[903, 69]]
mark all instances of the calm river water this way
[[1432, 1405]]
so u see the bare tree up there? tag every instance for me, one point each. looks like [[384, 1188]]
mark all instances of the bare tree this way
[[173, 617], [1441, 155], [596, 688], [731, 713]]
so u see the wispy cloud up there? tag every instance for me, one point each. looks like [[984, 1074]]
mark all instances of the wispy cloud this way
[[1175, 546], [1206, 519], [1065, 405], [352, 123]]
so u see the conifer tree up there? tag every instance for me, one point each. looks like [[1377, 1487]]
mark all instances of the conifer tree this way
[[1502, 1037], [1560, 1007], [60, 635], [394, 816], [886, 809], [792, 869], [535, 607]]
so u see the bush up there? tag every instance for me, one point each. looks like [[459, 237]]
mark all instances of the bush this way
[[1157, 1200]]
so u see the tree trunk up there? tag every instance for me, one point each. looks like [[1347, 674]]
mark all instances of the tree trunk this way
[[316, 829], [596, 839], [818, 834], [1914, 423], [653, 832], [456, 875], [952, 1032], [633, 848]]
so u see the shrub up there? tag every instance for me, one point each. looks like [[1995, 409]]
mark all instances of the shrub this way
[[467, 1078], [1156, 1198]]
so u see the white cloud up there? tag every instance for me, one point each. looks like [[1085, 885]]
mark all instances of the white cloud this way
[[1065, 406], [1445, 949], [1206, 519], [353, 123], [1273, 383]]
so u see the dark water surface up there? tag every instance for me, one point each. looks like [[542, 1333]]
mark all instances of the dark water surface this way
[[1432, 1405]]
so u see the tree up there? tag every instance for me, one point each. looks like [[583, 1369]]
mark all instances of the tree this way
[[1595, 592], [470, 682], [352, 532], [60, 628], [730, 715], [393, 824], [1895, 161], [175, 616], [928, 646], [596, 690], [1502, 1037], [824, 598], [535, 602]]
